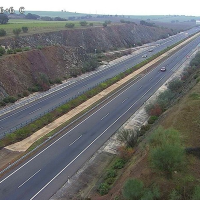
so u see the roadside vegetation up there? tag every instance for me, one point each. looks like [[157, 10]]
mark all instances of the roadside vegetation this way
[[172, 150]]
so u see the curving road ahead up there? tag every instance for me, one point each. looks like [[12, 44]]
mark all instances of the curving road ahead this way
[[27, 113], [43, 174]]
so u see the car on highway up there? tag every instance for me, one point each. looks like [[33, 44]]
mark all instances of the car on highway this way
[[163, 69], [150, 50], [144, 56]]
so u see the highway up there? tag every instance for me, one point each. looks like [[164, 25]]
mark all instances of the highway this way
[[43, 174], [23, 115]]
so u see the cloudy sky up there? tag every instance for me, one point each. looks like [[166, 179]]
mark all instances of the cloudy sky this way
[[125, 7]]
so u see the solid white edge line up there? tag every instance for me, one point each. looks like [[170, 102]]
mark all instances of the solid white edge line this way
[[93, 141]]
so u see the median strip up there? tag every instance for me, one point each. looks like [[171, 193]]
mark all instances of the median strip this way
[[26, 143]]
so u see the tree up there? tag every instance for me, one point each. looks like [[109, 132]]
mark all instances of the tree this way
[[166, 153], [2, 32], [25, 29], [167, 158], [3, 19], [175, 85], [32, 16], [59, 19], [46, 18], [16, 31], [83, 23], [105, 24], [69, 25], [133, 189]]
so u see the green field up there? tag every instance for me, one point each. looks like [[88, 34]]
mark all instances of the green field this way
[[38, 26], [165, 18]]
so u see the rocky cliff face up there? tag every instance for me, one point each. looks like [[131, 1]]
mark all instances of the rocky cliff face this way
[[102, 39], [20, 71], [63, 50]]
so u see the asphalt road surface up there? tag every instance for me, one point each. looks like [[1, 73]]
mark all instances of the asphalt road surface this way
[[23, 115], [42, 175]]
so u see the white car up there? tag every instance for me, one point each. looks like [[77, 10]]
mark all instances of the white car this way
[[163, 69], [144, 56]]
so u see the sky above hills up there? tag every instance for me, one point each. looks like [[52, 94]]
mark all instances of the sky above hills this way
[[125, 7]]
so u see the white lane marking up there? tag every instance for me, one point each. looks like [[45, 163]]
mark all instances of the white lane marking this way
[[124, 100], [75, 140], [29, 178], [70, 131], [34, 111], [151, 78], [65, 134], [105, 116], [92, 142], [139, 87]]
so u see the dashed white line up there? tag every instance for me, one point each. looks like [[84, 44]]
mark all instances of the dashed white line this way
[[29, 178], [105, 116], [75, 140], [34, 111], [151, 78], [124, 100]]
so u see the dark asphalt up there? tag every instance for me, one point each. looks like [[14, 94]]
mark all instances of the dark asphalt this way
[[43, 174], [24, 114]]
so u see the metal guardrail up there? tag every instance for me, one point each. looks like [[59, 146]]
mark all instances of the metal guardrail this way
[[2, 135]]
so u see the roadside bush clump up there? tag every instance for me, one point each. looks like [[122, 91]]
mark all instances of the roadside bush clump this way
[[134, 189], [2, 50], [18, 50], [152, 119], [175, 85], [2, 32], [119, 163], [166, 152], [111, 173], [25, 29], [103, 188], [10, 99], [69, 25], [129, 137]]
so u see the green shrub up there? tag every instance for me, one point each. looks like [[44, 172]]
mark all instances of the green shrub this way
[[10, 99], [111, 173], [25, 29], [69, 25], [18, 50], [26, 48], [152, 119], [2, 32], [119, 163], [175, 85], [2, 50], [16, 31], [133, 189], [103, 188], [174, 195], [110, 181], [83, 23]]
